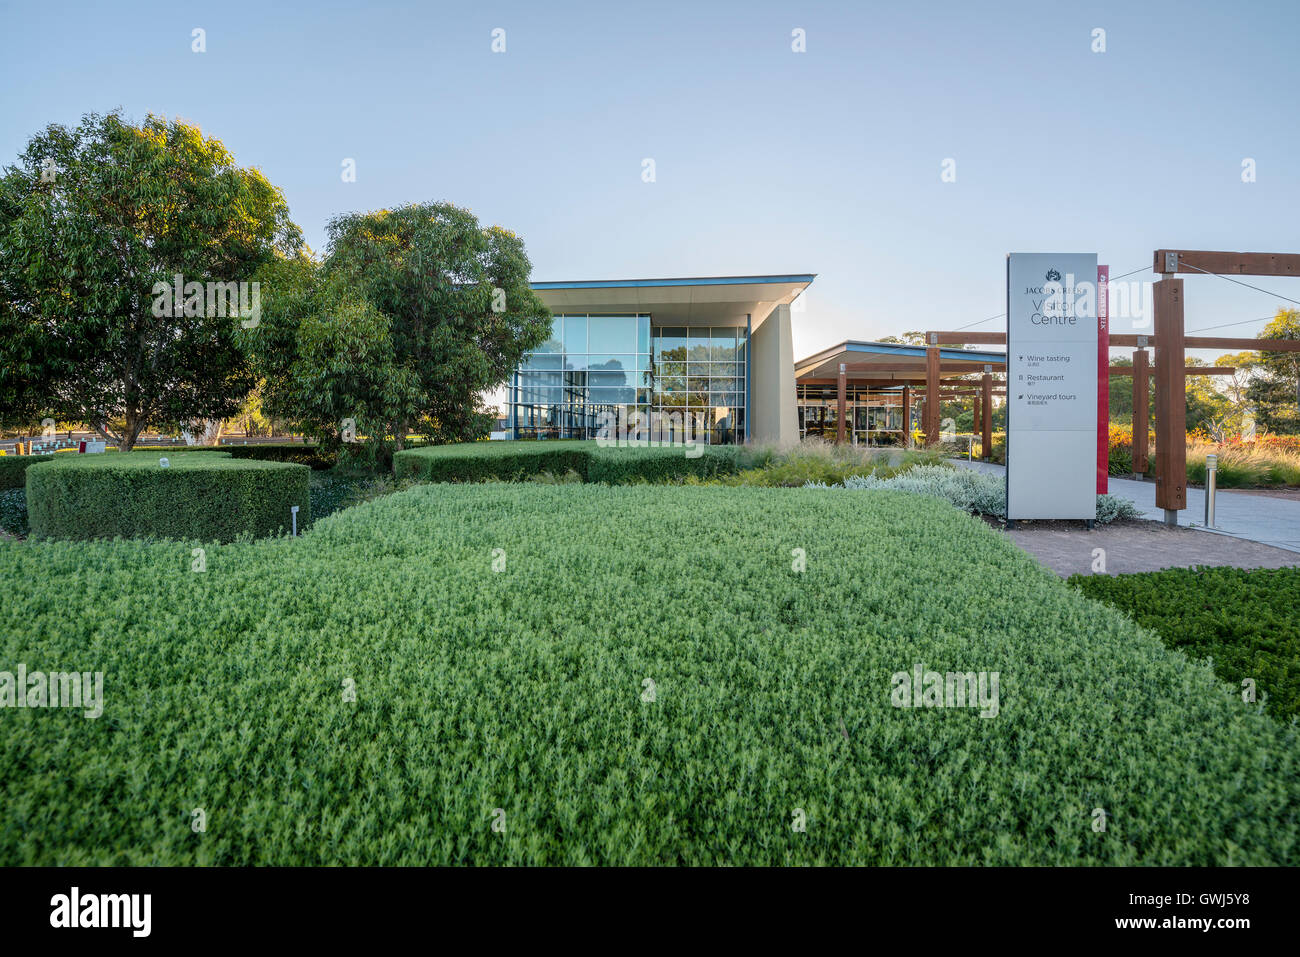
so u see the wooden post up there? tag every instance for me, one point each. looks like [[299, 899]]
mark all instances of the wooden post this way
[[1141, 395], [975, 403], [931, 395], [840, 406], [907, 415], [986, 439], [1171, 400]]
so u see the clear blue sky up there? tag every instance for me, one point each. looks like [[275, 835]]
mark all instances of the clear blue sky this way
[[767, 161]]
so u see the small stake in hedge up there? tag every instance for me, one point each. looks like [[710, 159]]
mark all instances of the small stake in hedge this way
[[293, 515]]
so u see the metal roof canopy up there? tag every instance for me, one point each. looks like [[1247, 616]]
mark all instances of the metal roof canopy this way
[[891, 361], [700, 301]]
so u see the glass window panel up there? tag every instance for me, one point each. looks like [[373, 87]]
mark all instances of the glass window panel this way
[[723, 385], [556, 342], [609, 378], [670, 343], [724, 344], [542, 362], [698, 368], [698, 383], [575, 333], [612, 334], [643, 363], [670, 368], [670, 383], [533, 379], [605, 363], [605, 396], [643, 334]]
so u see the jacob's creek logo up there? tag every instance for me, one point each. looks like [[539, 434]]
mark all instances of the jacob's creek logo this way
[[102, 910], [1062, 301]]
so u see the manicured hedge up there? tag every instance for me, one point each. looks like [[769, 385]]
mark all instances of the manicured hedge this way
[[13, 468], [1246, 621], [200, 496], [524, 689], [300, 454], [512, 461]]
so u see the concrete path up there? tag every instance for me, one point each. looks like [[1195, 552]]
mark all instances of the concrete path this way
[[1255, 518]]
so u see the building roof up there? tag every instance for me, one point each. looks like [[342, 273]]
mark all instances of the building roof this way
[[892, 362], [699, 301]]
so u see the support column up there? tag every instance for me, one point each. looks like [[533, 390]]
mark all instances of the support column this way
[[907, 415], [986, 420], [1141, 395], [771, 386], [931, 417], [1171, 399], [841, 405]]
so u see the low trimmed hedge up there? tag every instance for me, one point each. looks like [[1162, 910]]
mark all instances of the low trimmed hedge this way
[[513, 461], [198, 497], [13, 468], [309, 455]]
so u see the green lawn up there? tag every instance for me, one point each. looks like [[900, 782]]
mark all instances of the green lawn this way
[[522, 690], [1246, 621]]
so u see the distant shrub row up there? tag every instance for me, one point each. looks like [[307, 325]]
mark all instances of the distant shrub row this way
[[513, 461], [308, 455], [197, 497], [13, 468]]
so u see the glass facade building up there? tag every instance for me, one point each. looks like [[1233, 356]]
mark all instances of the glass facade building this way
[[689, 378]]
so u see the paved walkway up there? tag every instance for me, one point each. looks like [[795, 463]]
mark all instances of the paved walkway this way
[[1255, 518]]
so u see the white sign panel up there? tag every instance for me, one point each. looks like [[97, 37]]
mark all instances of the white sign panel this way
[[1051, 385]]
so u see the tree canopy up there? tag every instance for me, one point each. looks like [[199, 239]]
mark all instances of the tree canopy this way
[[1275, 389], [413, 314], [96, 223]]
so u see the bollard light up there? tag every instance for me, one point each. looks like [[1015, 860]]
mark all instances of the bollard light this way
[[293, 516], [164, 463]]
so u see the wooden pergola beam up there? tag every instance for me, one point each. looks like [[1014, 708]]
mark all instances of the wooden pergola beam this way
[[986, 420], [931, 411], [1225, 263], [1171, 400], [1141, 395]]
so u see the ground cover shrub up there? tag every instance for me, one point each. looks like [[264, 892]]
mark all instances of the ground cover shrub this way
[[1244, 621], [203, 497], [498, 640], [13, 469], [972, 491]]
